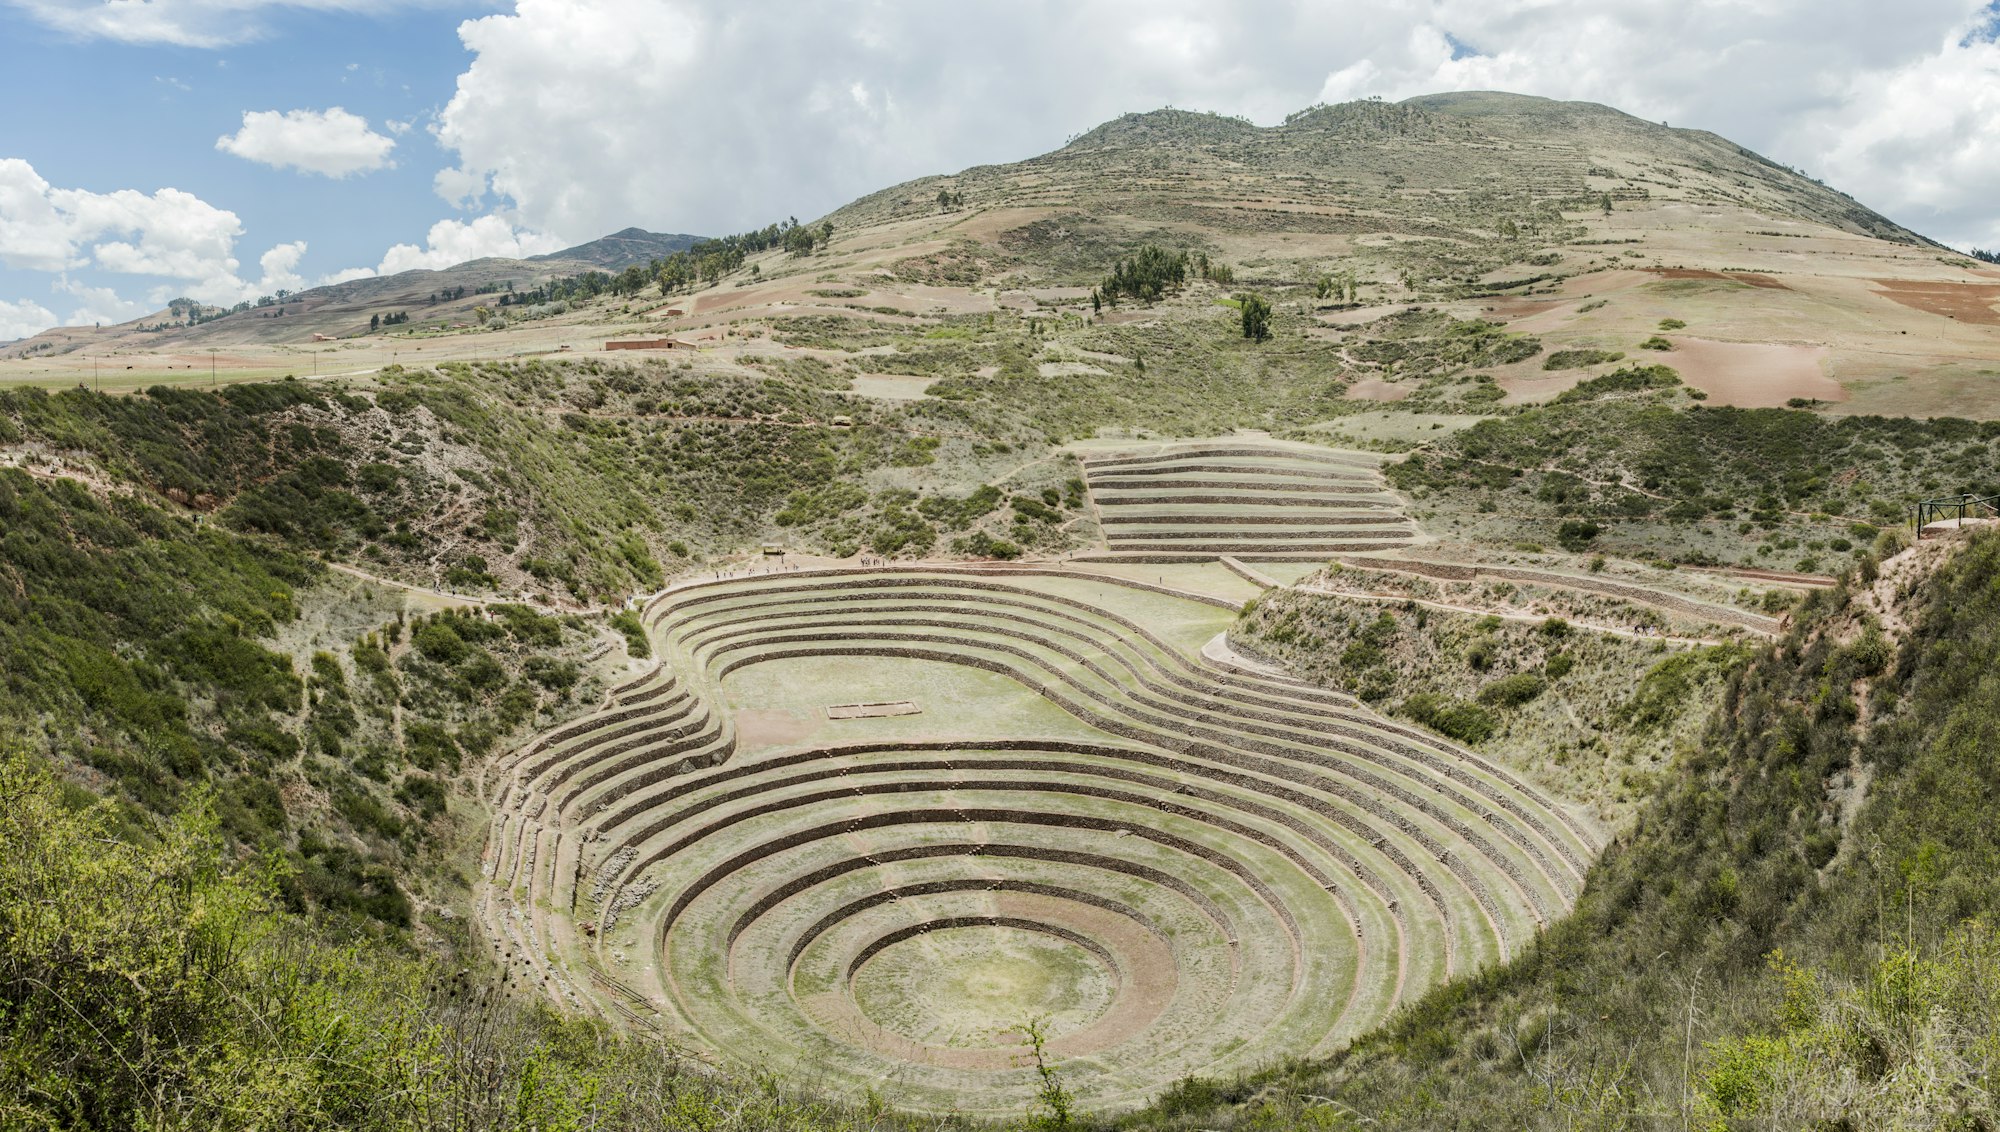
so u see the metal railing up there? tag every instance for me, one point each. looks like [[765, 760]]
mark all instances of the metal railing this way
[[1956, 507]]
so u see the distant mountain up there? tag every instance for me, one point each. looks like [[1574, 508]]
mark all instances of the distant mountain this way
[[620, 250], [1437, 166], [342, 309]]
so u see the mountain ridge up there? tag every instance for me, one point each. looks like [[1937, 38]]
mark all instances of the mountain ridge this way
[[1502, 142]]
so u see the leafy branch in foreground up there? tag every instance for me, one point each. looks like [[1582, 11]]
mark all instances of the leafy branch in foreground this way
[[1057, 1107], [146, 982]]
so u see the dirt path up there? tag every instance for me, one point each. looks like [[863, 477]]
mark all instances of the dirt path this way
[[1638, 592], [447, 595], [1504, 615], [555, 411]]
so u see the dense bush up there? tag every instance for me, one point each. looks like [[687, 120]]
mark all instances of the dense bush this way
[[1467, 723], [1512, 691], [1579, 358], [1148, 276], [1632, 379]]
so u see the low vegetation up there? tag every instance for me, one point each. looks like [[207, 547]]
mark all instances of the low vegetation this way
[[1776, 488], [1769, 947], [151, 978], [1594, 716]]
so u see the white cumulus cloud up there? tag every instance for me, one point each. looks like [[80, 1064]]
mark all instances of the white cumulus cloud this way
[[97, 305], [23, 319], [332, 143], [452, 242], [724, 116], [186, 23], [167, 232]]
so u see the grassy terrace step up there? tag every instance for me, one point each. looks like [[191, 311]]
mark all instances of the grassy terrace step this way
[[1332, 462], [1254, 484], [1214, 868], [1165, 711], [1269, 549], [1245, 499], [1232, 473], [1222, 519], [1225, 535]]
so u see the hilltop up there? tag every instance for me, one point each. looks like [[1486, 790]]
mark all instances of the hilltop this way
[[1443, 165], [1572, 222]]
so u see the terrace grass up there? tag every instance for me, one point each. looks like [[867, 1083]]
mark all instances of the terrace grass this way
[[958, 701]]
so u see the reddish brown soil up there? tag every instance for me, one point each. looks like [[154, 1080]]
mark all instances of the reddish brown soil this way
[[1753, 375], [1966, 302], [1747, 277]]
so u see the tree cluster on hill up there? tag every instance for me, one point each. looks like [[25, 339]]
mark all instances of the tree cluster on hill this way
[[1151, 274], [709, 260], [1256, 316], [562, 289]]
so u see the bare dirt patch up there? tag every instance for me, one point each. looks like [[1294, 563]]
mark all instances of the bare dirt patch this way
[[871, 711], [892, 386], [1748, 278], [1513, 308], [1375, 389], [1753, 375], [1966, 302]]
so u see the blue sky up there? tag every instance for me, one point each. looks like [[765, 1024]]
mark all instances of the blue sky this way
[[518, 126], [101, 115]]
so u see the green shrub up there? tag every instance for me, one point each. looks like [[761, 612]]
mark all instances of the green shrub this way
[[1631, 379], [1576, 535], [436, 640], [1456, 719], [636, 642], [1512, 691], [979, 544], [1580, 358], [1480, 653], [1665, 688]]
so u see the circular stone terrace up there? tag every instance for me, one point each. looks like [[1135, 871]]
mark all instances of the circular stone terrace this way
[[870, 822]]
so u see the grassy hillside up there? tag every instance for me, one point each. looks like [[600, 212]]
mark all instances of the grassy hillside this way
[[1600, 718], [149, 980], [1654, 475], [1431, 166], [1792, 935], [173, 631]]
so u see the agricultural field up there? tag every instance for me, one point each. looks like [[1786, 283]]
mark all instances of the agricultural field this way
[[1086, 823], [1248, 501]]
